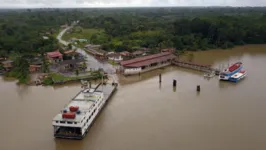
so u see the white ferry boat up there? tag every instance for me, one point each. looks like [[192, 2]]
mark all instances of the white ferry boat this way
[[76, 118]]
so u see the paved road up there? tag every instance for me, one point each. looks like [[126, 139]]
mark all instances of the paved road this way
[[92, 63]]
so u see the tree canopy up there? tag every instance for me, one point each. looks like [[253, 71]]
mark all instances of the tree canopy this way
[[186, 28]]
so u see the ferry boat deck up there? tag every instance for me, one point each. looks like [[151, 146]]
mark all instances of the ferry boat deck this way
[[84, 100]]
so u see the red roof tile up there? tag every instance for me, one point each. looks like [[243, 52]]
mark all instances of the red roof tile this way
[[147, 59], [54, 54]]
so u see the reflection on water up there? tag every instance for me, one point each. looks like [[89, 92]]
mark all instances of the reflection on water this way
[[146, 114]]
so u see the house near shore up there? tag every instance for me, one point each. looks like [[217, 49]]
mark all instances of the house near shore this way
[[125, 53], [35, 68], [115, 57], [45, 37], [8, 64], [146, 63], [98, 53], [2, 59], [138, 53], [72, 65], [54, 57], [64, 26]]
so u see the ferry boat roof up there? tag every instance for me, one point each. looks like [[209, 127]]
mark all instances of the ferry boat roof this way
[[84, 100], [233, 67], [237, 75]]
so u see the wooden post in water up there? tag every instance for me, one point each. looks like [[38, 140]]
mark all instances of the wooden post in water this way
[[198, 88], [89, 84], [174, 83], [160, 78]]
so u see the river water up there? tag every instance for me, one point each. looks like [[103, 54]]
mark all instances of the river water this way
[[144, 115]]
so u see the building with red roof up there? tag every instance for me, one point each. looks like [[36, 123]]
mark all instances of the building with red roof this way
[[55, 56], [146, 63]]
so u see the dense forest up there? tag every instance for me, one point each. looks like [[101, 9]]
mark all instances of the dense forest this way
[[185, 28], [189, 29], [22, 31]]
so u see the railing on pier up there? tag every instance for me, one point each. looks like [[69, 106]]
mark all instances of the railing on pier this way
[[199, 67]]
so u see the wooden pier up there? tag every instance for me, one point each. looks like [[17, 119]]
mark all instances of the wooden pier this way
[[194, 66]]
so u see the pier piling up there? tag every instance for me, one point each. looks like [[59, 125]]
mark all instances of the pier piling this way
[[160, 78], [174, 83], [198, 88]]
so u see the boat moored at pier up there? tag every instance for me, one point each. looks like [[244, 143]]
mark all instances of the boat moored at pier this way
[[233, 69], [238, 76], [75, 119]]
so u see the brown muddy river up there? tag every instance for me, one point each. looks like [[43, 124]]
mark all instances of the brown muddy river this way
[[146, 116]]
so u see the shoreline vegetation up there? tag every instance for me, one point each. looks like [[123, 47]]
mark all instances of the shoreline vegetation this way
[[55, 78], [29, 33]]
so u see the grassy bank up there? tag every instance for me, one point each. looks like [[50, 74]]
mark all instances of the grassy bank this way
[[55, 78]]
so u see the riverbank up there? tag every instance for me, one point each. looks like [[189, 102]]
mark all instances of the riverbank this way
[[229, 115], [55, 78]]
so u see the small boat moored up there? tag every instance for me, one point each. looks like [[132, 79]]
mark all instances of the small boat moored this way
[[238, 76]]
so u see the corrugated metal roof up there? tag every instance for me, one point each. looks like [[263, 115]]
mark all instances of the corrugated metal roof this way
[[145, 58], [150, 61]]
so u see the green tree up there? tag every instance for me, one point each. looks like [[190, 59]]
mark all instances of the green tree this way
[[69, 46], [20, 70], [77, 72]]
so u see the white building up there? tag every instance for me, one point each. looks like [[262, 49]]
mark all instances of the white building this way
[[115, 57], [146, 63]]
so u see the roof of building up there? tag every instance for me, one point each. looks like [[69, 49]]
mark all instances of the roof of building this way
[[139, 52], [7, 61], [69, 51], [101, 51], [54, 54], [114, 55], [139, 59], [35, 66], [146, 60], [125, 53], [151, 61]]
